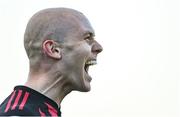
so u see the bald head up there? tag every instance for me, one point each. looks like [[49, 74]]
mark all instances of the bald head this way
[[61, 46], [56, 24]]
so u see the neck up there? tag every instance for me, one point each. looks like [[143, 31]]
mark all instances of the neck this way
[[53, 86]]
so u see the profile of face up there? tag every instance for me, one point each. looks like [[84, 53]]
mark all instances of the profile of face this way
[[79, 49], [80, 52]]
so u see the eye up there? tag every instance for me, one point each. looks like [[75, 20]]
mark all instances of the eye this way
[[88, 38]]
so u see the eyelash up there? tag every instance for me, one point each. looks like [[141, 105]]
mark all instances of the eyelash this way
[[88, 38]]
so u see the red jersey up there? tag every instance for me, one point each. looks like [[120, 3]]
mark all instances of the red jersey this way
[[24, 101]]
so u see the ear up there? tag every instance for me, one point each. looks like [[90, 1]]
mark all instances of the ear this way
[[51, 50]]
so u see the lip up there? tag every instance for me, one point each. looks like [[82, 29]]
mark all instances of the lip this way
[[88, 77]]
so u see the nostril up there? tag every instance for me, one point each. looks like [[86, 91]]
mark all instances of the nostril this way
[[97, 48], [101, 49]]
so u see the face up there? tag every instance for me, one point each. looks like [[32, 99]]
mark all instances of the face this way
[[79, 53]]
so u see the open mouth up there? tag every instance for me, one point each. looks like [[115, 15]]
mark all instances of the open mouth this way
[[89, 63]]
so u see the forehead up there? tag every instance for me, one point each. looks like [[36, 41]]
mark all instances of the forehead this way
[[83, 27], [74, 24], [83, 23]]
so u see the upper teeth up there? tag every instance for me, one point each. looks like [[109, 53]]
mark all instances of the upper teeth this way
[[91, 62]]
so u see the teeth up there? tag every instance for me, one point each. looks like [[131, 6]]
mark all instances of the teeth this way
[[91, 62], [88, 63]]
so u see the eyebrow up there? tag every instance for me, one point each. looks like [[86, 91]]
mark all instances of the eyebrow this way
[[89, 33]]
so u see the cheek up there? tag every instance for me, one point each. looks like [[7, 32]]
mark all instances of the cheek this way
[[80, 49], [78, 55], [81, 54], [84, 49]]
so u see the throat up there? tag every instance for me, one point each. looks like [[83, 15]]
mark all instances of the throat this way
[[51, 86], [57, 90]]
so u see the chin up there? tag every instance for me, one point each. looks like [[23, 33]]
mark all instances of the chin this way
[[83, 84], [86, 85], [85, 88]]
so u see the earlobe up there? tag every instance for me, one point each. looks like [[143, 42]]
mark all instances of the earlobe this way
[[51, 50]]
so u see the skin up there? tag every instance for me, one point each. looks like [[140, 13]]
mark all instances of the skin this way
[[58, 43]]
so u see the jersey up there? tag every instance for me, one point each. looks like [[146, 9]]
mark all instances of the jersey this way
[[24, 101]]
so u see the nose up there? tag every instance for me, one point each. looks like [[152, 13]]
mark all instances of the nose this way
[[97, 48]]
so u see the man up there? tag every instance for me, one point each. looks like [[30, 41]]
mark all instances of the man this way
[[60, 46]]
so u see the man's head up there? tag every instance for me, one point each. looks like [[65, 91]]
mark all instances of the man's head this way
[[62, 40]]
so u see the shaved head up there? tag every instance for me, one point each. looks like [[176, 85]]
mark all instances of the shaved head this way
[[60, 45], [56, 24]]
